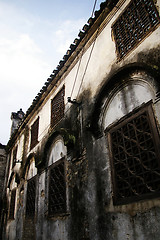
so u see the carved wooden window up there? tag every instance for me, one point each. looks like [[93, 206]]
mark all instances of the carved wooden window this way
[[12, 204], [57, 189], [31, 196], [136, 22], [135, 153], [57, 107], [34, 133], [15, 156]]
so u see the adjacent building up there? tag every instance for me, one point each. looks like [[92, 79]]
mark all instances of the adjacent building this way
[[84, 163], [3, 162]]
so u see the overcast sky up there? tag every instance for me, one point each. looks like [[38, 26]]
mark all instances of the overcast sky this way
[[34, 36]]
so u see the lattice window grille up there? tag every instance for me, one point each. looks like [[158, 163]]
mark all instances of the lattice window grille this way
[[134, 149], [136, 22], [57, 189], [57, 107], [31, 196], [12, 204], [34, 133]]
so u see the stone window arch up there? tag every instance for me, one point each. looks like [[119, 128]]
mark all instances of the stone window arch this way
[[125, 98]]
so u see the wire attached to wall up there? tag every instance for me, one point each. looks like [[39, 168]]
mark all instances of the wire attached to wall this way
[[87, 66], [89, 58], [95, 2]]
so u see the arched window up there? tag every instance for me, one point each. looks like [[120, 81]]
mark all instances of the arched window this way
[[133, 139], [57, 178]]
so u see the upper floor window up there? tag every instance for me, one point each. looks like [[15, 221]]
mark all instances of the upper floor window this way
[[15, 156], [135, 23], [57, 107], [135, 157], [12, 204], [34, 133]]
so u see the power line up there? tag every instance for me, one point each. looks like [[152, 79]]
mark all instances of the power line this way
[[94, 6], [89, 58]]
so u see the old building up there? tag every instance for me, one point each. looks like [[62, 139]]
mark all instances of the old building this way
[[3, 162], [85, 161]]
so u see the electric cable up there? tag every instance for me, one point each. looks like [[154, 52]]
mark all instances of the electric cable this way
[[94, 6], [89, 58]]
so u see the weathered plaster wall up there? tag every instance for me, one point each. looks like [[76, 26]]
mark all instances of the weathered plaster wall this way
[[106, 221], [91, 214]]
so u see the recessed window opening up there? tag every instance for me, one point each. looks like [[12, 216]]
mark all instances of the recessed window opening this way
[[135, 156], [34, 133], [31, 194], [57, 107], [57, 189], [15, 156], [12, 204], [135, 23], [57, 199]]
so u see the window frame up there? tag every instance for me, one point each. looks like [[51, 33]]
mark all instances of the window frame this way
[[59, 110], [130, 43], [156, 141], [12, 204], [15, 150], [29, 214], [34, 133], [64, 211]]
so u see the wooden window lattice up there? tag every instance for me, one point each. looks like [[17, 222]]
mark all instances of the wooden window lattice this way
[[12, 204], [136, 22], [134, 148], [57, 107], [34, 133], [57, 189], [31, 196]]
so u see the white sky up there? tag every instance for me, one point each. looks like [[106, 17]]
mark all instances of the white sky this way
[[34, 36]]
